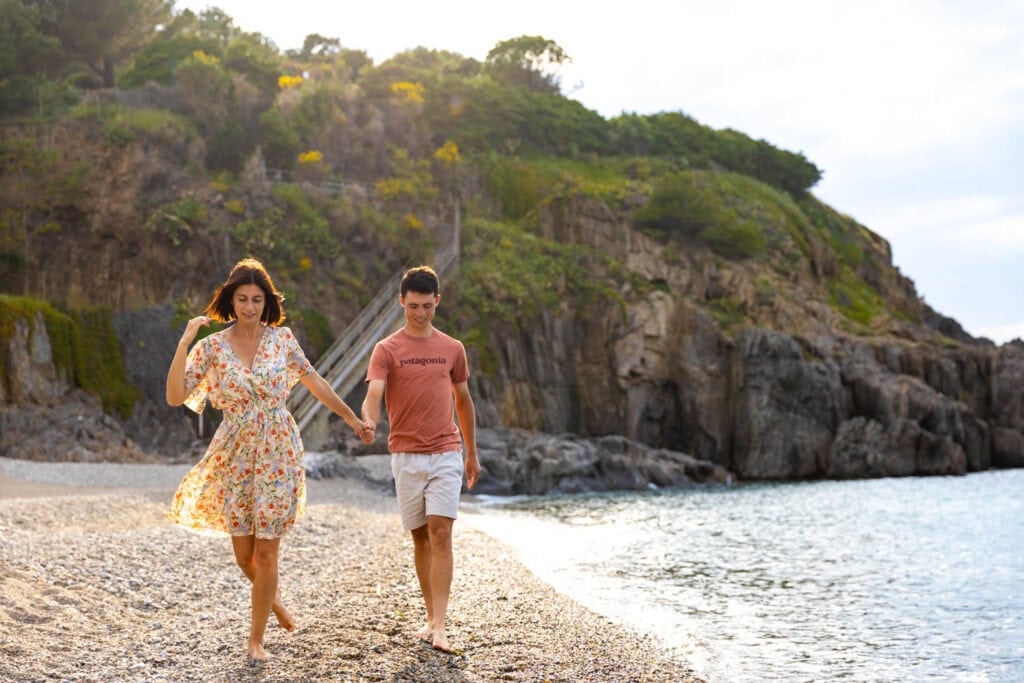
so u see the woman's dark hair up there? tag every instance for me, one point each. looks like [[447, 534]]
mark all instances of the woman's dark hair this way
[[247, 272], [420, 279]]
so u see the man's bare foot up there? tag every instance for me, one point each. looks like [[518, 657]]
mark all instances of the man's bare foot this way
[[441, 640], [425, 631], [256, 651], [284, 617]]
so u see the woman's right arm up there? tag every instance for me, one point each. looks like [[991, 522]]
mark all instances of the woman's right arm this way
[[176, 393]]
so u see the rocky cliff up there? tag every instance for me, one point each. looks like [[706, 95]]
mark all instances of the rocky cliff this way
[[786, 394], [816, 358], [43, 417]]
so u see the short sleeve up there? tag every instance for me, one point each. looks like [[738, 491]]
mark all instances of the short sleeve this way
[[460, 368], [197, 375], [378, 364], [296, 364]]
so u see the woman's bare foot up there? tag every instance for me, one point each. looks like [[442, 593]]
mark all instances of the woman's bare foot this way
[[284, 617], [256, 651], [425, 632], [441, 640]]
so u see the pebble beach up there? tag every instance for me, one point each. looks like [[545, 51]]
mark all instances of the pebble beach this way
[[96, 585]]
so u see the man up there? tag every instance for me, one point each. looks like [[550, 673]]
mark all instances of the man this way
[[422, 374]]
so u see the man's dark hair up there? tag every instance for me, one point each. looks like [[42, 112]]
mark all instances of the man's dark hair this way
[[420, 279]]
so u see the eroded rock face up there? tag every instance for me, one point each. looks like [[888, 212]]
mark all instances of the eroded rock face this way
[[32, 375], [74, 429], [43, 418], [148, 342], [765, 404], [788, 408]]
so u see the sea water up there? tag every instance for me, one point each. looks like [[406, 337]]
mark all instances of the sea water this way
[[910, 579]]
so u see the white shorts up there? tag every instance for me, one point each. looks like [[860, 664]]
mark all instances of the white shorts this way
[[427, 484]]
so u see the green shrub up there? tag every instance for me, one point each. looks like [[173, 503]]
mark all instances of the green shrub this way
[[735, 238], [309, 230], [259, 235], [730, 312], [177, 220], [680, 138], [279, 141], [118, 135], [157, 61], [512, 275], [318, 331], [517, 188], [852, 297], [735, 215], [228, 148], [158, 124]]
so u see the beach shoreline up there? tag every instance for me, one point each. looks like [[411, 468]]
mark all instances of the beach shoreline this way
[[96, 585]]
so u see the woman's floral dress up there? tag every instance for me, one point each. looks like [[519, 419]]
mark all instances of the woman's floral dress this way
[[251, 480]]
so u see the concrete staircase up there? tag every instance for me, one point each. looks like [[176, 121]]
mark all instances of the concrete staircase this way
[[344, 364]]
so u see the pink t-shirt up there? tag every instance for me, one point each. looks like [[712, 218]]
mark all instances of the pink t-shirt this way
[[419, 373]]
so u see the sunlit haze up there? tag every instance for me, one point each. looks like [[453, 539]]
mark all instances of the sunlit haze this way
[[914, 110]]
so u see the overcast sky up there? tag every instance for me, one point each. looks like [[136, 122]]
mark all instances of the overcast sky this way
[[914, 110]]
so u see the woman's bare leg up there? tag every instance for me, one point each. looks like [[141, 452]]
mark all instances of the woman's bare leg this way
[[264, 588], [243, 547]]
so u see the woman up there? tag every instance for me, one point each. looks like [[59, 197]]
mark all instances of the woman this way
[[251, 482]]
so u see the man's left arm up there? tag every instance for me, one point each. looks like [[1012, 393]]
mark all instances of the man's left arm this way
[[466, 411]]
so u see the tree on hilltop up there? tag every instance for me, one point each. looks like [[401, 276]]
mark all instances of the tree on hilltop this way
[[528, 61], [101, 34], [25, 55]]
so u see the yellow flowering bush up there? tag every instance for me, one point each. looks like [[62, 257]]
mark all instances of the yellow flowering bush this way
[[312, 166], [408, 92], [411, 222], [448, 153], [285, 82], [205, 58], [305, 263], [234, 206], [411, 182]]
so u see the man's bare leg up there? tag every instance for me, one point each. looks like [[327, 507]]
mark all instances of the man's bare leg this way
[[439, 530], [243, 547], [421, 550]]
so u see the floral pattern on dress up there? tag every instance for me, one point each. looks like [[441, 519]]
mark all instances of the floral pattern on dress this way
[[251, 480]]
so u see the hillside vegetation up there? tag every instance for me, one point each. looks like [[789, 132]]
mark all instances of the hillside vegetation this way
[[137, 168]]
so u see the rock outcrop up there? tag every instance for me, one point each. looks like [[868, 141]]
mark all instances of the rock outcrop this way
[[530, 463], [792, 396], [518, 462], [746, 363], [42, 417], [72, 429]]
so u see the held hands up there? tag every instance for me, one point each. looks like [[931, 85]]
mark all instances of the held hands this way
[[366, 430]]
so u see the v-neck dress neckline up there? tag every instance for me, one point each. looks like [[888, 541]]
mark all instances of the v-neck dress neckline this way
[[259, 345]]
